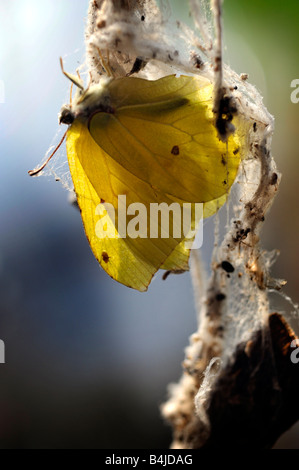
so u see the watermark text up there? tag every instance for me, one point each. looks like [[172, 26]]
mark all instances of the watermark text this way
[[295, 353], [295, 93], [179, 221]]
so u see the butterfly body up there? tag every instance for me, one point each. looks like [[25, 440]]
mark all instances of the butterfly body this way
[[94, 99]]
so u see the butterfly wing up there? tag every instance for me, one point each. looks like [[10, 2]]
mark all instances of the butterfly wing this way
[[169, 140], [179, 258], [98, 180], [159, 145]]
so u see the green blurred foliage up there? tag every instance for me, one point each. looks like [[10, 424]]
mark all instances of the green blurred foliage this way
[[270, 29], [261, 38]]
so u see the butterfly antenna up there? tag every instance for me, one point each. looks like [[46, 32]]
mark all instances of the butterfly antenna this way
[[38, 170]]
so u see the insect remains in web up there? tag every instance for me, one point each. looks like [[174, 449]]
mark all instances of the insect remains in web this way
[[227, 267], [138, 65], [196, 60]]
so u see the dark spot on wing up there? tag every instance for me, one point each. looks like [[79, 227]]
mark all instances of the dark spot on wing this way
[[236, 151], [175, 150], [105, 257]]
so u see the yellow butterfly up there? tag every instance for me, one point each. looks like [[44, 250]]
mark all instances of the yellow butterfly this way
[[153, 143]]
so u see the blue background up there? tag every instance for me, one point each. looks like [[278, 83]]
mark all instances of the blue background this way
[[88, 360]]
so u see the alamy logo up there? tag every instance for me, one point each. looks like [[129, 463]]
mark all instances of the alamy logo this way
[[295, 353], [2, 352], [180, 221], [295, 93]]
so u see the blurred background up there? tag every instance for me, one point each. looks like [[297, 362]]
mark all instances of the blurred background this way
[[88, 361]]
